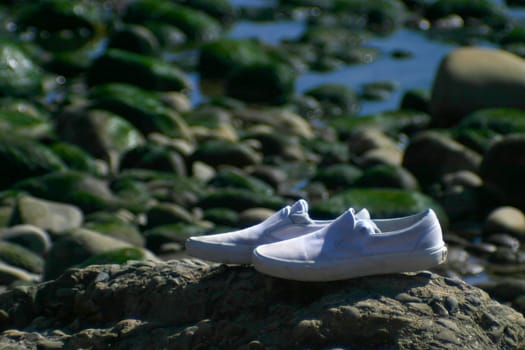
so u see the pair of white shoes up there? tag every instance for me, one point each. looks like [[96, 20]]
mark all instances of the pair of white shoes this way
[[289, 244]]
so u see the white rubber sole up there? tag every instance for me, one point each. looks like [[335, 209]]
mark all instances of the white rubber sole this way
[[222, 253], [349, 268]]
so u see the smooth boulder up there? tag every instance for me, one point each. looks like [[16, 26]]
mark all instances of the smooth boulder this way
[[471, 78]]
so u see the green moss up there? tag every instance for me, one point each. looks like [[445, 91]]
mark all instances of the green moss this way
[[16, 255], [117, 256]]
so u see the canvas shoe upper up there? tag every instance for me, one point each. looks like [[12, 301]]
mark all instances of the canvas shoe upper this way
[[352, 247], [236, 247]]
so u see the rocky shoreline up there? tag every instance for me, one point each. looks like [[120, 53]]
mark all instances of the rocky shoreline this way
[[107, 161]]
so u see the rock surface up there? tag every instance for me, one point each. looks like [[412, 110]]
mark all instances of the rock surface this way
[[188, 304], [469, 79]]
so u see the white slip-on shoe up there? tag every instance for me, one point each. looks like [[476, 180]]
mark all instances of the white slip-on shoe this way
[[236, 247], [352, 247]]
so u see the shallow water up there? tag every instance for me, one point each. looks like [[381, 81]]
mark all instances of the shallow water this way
[[415, 72]]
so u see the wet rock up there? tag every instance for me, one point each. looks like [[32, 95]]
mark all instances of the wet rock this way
[[470, 79], [503, 240], [195, 24], [76, 158], [321, 316], [483, 9], [338, 176], [76, 247], [144, 109], [480, 129], [276, 144], [416, 99], [220, 152], [26, 79], [253, 216], [335, 99], [380, 156], [236, 178], [60, 25], [506, 220], [148, 72], [503, 169], [221, 216], [104, 135], [220, 58], [384, 175], [381, 203], [364, 140], [406, 121], [378, 90], [278, 119], [134, 38], [115, 225], [79, 189], [18, 256], [431, 155], [48, 215], [10, 274], [23, 118], [28, 236], [23, 158], [155, 157], [239, 199], [167, 213], [158, 237], [212, 123], [270, 83]]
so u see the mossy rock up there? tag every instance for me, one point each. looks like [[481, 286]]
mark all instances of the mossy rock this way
[[221, 10], [236, 178], [167, 187], [390, 176], [25, 124], [335, 99], [26, 79], [23, 158], [221, 152], [154, 156], [271, 83], [172, 233], [110, 224], [515, 35], [67, 25], [144, 109], [76, 247], [104, 135], [382, 203], [132, 195], [406, 121], [239, 199], [134, 38], [83, 190], [220, 58], [222, 216], [482, 9], [330, 151], [195, 24], [117, 256], [76, 158], [503, 171], [115, 65], [276, 143], [338, 176], [380, 15], [48, 215], [30, 237], [416, 99], [500, 120], [167, 213], [10, 274], [18, 256]]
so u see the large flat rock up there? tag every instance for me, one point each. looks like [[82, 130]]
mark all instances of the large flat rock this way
[[188, 304]]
